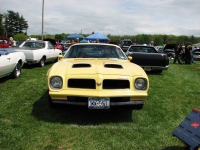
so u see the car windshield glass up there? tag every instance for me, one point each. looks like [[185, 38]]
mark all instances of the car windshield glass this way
[[3, 41], [142, 49], [95, 51], [34, 44], [2, 52], [7, 51], [196, 51]]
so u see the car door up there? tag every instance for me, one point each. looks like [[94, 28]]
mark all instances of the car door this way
[[6, 64]]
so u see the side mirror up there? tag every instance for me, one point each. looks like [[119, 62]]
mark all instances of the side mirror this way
[[60, 56], [130, 58]]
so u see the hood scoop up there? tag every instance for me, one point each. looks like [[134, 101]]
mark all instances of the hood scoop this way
[[81, 65], [113, 66]]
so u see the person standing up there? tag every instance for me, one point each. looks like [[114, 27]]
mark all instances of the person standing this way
[[178, 48], [77, 40], [192, 59], [183, 56], [188, 54]]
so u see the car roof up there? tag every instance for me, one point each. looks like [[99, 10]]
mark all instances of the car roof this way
[[39, 41], [138, 45]]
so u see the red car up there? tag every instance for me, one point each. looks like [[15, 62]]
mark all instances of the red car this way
[[5, 42], [55, 43]]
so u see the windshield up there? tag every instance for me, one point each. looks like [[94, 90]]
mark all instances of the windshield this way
[[3, 41], [34, 44], [95, 51], [142, 49]]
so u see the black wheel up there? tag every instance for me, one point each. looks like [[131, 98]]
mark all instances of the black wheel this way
[[139, 107], [159, 71], [56, 60], [51, 104], [136, 107], [42, 62], [17, 71]]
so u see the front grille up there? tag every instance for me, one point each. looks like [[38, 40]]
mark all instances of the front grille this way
[[82, 83], [85, 99], [115, 84]]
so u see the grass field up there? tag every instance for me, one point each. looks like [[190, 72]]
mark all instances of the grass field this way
[[27, 122]]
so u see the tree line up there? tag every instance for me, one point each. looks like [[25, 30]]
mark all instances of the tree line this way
[[14, 25]]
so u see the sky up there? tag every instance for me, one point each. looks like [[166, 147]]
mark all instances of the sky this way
[[115, 17]]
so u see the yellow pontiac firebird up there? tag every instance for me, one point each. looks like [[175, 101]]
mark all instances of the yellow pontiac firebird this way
[[98, 76]]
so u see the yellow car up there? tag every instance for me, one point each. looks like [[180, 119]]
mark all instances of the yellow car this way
[[98, 76]]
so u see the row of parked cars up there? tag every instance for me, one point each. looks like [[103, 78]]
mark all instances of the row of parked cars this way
[[29, 52], [169, 50], [96, 75]]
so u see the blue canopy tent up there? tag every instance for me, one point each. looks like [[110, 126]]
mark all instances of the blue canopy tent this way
[[98, 36], [74, 36]]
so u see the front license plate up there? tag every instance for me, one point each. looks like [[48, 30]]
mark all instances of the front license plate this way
[[98, 103], [147, 68]]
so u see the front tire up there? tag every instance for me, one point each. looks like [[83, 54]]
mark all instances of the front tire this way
[[158, 71], [51, 104], [57, 59], [17, 71], [42, 62], [136, 107]]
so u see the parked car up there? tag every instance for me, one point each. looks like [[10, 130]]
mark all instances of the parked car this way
[[67, 45], [11, 62], [196, 54], [169, 50], [125, 44], [148, 58], [39, 52], [98, 76], [5, 42]]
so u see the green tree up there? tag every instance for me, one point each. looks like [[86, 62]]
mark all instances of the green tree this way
[[2, 30], [20, 37], [14, 23]]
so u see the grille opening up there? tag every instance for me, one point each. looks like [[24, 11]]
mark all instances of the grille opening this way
[[85, 99], [81, 65], [82, 83], [113, 66], [116, 84]]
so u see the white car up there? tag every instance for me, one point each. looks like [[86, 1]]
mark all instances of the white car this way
[[39, 52], [11, 62]]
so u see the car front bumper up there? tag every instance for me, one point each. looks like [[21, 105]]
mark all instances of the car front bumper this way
[[117, 97], [129, 103]]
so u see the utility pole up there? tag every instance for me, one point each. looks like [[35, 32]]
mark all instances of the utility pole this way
[[42, 18]]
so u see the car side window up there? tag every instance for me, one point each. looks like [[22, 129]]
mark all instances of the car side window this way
[[50, 46], [27, 44], [133, 49]]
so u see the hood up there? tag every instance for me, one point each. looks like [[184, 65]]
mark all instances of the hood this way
[[52, 41], [92, 66], [170, 46]]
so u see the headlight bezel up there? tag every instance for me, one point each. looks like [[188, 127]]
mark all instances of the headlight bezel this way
[[56, 79], [142, 81]]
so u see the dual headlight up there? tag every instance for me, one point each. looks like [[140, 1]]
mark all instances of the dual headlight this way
[[140, 84], [56, 82]]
